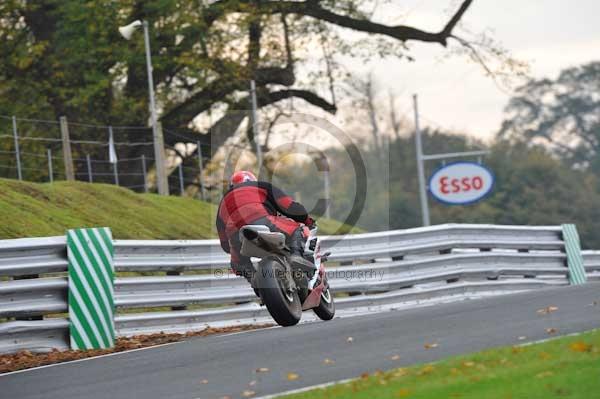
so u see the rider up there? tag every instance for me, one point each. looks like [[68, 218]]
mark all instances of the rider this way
[[249, 201]]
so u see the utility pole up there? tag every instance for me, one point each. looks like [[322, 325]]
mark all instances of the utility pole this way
[[254, 122], [420, 166], [163, 188], [159, 148]]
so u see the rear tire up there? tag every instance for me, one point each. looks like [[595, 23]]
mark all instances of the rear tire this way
[[284, 307], [326, 308]]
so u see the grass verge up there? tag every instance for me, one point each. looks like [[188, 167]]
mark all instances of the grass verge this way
[[567, 367]]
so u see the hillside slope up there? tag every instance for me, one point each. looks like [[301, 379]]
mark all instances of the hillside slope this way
[[35, 210]]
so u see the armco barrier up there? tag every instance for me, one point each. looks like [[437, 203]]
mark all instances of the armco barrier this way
[[372, 271]]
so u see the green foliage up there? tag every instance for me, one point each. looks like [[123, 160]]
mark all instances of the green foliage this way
[[532, 188], [564, 367], [562, 114]]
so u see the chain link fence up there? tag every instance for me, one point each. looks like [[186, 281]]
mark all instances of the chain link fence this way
[[39, 151]]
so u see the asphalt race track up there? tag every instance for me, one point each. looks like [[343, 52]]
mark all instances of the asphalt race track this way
[[228, 363]]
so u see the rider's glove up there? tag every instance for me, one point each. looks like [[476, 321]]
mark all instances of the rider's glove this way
[[310, 222]]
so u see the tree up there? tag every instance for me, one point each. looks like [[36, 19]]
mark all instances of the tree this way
[[561, 114], [65, 58]]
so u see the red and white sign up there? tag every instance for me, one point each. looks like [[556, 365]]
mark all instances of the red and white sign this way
[[461, 183]]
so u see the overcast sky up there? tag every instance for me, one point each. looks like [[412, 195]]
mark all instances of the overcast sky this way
[[456, 94]]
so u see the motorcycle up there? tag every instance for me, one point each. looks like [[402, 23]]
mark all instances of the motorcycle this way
[[288, 288]]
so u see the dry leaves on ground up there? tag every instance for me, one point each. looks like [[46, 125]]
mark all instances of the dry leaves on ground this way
[[262, 370], [548, 309], [26, 359], [580, 346], [430, 346], [292, 376]]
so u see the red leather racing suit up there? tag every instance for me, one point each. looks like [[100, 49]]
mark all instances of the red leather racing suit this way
[[257, 202]]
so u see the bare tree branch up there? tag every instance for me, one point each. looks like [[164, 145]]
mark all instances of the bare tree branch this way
[[314, 10]]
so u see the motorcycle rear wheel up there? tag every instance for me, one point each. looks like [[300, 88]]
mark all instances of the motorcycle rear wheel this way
[[284, 306]]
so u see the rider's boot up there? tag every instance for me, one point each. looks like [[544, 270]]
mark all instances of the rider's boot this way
[[296, 245]]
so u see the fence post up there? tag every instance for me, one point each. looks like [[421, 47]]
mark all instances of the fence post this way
[[17, 152], [89, 168], [201, 172], [66, 145], [159, 161], [116, 172], [180, 177], [144, 172], [50, 171]]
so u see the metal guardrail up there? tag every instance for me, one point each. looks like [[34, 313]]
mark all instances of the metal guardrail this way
[[374, 270]]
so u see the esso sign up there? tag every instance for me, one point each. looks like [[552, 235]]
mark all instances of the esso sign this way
[[461, 183]]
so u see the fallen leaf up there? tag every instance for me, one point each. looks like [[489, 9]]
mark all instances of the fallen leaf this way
[[430, 346], [544, 374], [580, 346], [395, 357], [426, 369], [247, 394], [401, 372], [551, 330], [517, 349], [262, 370], [292, 376], [349, 339], [364, 375], [468, 364], [544, 356], [403, 392], [547, 310], [328, 361], [204, 382]]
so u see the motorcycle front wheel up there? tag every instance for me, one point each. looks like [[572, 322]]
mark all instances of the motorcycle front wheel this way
[[283, 305], [326, 308]]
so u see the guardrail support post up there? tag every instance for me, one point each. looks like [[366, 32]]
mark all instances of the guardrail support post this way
[[574, 259], [28, 318], [176, 273], [91, 288]]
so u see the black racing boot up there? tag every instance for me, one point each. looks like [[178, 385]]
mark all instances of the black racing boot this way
[[296, 245]]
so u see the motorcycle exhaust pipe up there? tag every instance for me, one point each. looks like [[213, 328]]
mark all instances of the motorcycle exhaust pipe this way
[[250, 234]]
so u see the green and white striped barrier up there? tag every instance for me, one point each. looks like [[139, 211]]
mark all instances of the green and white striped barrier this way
[[91, 288], [574, 258]]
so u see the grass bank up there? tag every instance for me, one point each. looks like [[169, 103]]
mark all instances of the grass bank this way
[[35, 210]]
